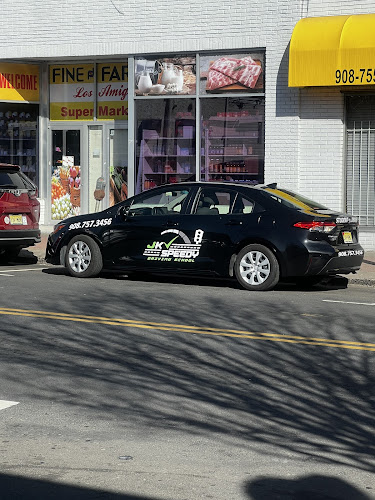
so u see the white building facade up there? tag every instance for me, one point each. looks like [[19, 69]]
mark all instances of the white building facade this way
[[122, 96]]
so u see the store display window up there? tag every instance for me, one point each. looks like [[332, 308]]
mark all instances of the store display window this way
[[232, 73], [232, 139], [166, 142], [19, 138], [66, 174], [165, 76]]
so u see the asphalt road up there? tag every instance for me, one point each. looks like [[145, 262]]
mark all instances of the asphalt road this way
[[166, 389]]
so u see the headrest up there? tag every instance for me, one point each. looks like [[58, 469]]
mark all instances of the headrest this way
[[208, 201]]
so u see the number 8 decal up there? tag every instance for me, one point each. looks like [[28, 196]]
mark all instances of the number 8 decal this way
[[198, 236]]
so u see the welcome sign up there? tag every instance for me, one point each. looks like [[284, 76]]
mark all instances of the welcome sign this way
[[19, 82], [77, 90]]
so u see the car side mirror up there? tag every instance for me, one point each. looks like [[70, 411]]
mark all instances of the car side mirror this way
[[124, 211]]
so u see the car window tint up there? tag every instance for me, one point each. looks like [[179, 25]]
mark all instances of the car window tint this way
[[164, 202], [215, 202], [11, 180], [293, 200], [243, 205]]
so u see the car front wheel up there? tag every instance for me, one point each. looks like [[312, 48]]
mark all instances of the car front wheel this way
[[83, 257], [256, 268]]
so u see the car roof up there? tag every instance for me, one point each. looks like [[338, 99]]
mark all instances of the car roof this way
[[217, 183]]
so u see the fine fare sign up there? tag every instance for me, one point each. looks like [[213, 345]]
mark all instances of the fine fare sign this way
[[19, 82], [74, 90]]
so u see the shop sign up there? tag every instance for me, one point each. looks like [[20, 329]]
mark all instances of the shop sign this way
[[112, 91], [232, 73], [74, 93], [332, 51], [19, 82], [165, 76]]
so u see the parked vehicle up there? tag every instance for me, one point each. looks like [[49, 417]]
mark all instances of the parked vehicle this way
[[19, 211], [257, 234]]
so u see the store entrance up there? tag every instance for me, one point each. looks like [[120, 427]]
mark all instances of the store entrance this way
[[107, 165], [66, 145], [86, 159]]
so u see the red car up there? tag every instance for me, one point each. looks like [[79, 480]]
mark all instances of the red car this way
[[19, 211]]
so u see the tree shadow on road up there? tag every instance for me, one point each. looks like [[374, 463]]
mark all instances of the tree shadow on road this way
[[310, 402]]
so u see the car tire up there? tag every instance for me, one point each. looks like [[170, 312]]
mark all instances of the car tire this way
[[83, 257], [256, 268]]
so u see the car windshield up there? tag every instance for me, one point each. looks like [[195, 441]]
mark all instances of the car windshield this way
[[9, 179], [293, 200]]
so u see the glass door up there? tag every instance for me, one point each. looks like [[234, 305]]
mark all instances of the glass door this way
[[118, 165], [66, 173]]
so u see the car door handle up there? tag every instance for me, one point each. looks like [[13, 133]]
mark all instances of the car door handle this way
[[170, 223], [233, 222]]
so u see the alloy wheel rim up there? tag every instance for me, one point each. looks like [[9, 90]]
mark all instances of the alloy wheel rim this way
[[79, 256], [255, 268]]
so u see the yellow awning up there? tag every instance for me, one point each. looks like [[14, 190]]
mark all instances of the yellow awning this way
[[336, 50]]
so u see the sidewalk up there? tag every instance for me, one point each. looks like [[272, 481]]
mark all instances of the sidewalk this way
[[365, 276]]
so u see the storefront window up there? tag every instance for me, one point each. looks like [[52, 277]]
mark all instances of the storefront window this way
[[231, 73], [118, 161], [166, 142], [66, 174], [163, 76], [18, 137], [232, 139]]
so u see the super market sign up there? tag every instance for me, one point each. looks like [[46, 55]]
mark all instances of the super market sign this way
[[77, 90]]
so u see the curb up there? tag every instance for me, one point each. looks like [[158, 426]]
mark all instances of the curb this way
[[362, 281]]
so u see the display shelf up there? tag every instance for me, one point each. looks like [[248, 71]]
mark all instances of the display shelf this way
[[167, 153], [232, 147]]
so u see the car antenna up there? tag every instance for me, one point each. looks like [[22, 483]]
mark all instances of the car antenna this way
[[273, 185]]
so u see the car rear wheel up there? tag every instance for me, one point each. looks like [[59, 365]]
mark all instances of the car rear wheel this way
[[256, 268], [83, 257]]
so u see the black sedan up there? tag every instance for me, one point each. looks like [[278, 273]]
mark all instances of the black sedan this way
[[257, 234]]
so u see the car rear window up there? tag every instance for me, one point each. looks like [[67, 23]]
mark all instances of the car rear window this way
[[293, 200], [9, 179]]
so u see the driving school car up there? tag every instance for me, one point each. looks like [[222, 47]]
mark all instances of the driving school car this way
[[256, 234]]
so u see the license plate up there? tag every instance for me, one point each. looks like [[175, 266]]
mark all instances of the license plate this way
[[18, 220], [348, 238]]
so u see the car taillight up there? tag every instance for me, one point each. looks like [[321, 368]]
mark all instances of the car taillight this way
[[315, 225]]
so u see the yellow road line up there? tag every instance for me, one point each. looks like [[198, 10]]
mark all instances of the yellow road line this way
[[296, 339]]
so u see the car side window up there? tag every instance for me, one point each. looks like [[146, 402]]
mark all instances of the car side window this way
[[164, 202], [243, 205], [214, 202]]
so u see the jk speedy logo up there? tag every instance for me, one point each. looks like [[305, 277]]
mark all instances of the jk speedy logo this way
[[172, 250]]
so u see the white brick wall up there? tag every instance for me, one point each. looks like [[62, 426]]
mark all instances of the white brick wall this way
[[338, 8], [321, 141], [55, 28]]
